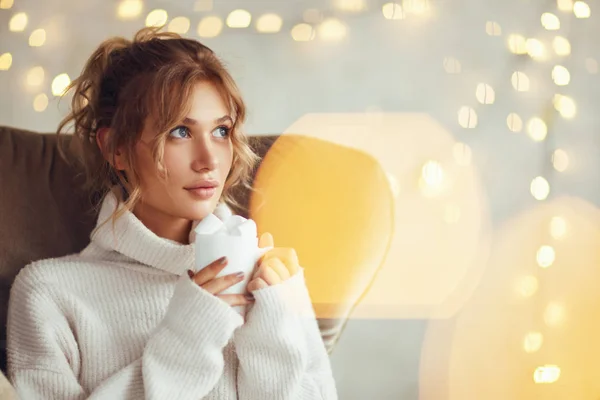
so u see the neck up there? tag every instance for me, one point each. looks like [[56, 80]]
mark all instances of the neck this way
[[163, 225]]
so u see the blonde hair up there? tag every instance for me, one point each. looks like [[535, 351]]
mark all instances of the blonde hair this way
[[122, 84]]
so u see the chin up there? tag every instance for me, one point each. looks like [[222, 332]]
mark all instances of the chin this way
[[200, 210]]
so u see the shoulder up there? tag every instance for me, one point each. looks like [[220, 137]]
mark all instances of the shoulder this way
[[48, 271]]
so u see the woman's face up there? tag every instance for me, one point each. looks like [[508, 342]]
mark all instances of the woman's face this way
[[197, 157]]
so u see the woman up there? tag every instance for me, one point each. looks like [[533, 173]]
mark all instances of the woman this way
[[157, 124]]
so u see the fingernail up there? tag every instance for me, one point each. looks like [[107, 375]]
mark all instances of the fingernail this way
[[249, 297], [222, 260], [240, 275], [190, 273]]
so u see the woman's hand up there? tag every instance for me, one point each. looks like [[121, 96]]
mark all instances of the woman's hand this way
[[276, 266], [206, 279]]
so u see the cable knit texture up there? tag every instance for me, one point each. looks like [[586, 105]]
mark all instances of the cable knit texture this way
[[122, 320]]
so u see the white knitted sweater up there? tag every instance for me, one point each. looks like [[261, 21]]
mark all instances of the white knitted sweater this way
[[122, 320]]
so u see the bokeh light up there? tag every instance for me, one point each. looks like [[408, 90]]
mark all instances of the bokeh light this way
[[535, 49], [564, 5], [452, 65], [540, 188], [393, 11], [157, 18], [6, 4], [514, 122], [558, 227], [485, 94], [520, 81], [35, 76], [537, 129], [40, 103], [545, 256], [533, 342], [37, 38], [350, 6], [517, 44], [180, 25], [555, 314], [269, 23], [210, 27], [550, 21], [561, 75], [129, 9], [560, 160], [239, 19], [467, 117], [303, 33], [581, 9], [60, 84], [332, 29], [493, 28], [527, 286], [18, 22], [561, 46], [565, 106], [546, 374], [5, 61]]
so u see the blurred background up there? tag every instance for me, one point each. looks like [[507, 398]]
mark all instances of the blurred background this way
[[482, 115]]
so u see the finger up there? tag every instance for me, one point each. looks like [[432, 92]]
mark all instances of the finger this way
[[235, 299], [256, 284], [268, 275], [276, 265], [217, 285], [266, 240], [287, 255], [210, 271]]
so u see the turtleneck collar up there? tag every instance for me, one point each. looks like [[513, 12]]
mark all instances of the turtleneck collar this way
[[130, 237]]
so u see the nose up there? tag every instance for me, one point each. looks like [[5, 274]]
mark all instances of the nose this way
[[204, 156]]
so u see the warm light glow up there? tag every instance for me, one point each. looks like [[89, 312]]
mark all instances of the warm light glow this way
[[5, 61], [35, 76], [561, 75], [18, 22], [545, 256], [393, 11], [269, 23], [432, 178], [564, 5], [517, 44], [60, 84], [591, 65], [561, 46], [546, 374], [520, 81], [485, 94], [493, 28], [581, 9], [239, 19], [37, 38], [6, 4], [554, 315], [210, 27], [467, 118], [560, 160], [535, 49], [351, 6], [533, 342], [452, 65], [550, 21], [565, 106], [558, 228], [203, 5], [40, 103], [462, 154], [303, 33], [537, 129], [180, 25], [417, 7], [514, 122], [129, 9], [332, 29], [451, 214], [157, 18], [540, 188], [527, 286]]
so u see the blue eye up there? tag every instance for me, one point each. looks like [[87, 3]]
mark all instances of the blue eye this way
[[181, 132], [222, 131]]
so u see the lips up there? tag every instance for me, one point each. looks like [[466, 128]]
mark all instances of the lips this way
[[203, 185], [203, 190]]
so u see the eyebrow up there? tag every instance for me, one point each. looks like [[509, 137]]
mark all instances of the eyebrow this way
[[225, 118]]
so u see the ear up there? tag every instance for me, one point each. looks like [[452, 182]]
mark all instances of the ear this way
[[117, 159]]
